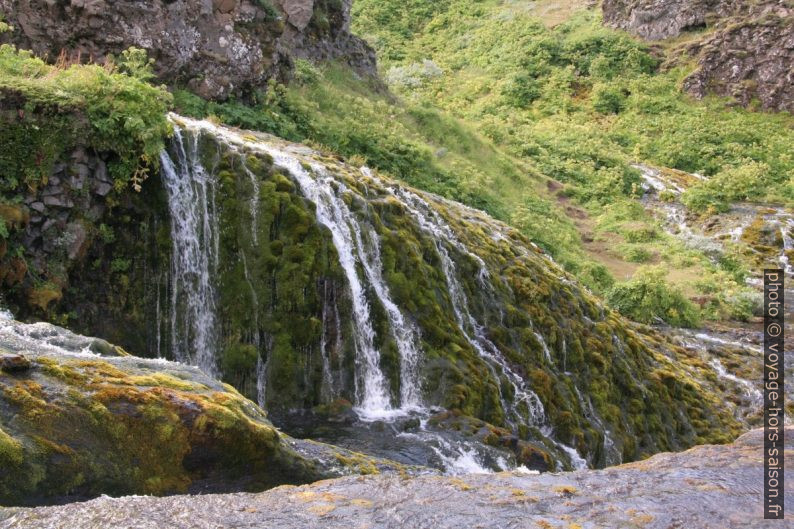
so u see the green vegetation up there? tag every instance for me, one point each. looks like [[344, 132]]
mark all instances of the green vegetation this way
[[526, 87], [579, 103], [648, 297], [493, 104], [126, 116], [90, 427]]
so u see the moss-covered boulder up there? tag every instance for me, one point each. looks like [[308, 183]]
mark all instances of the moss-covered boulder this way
[[80, 417]]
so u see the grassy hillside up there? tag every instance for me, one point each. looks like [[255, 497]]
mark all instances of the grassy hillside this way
[[581, 104], [535, 113]]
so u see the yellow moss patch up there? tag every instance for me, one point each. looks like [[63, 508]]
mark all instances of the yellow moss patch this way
[[11, 450], [57, 370], [459, 483], [565, 490], [162, 380], [322, 509], [99, 368], [361, 463], [43, 296]]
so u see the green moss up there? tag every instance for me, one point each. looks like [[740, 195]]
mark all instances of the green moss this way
[[11, 451], [358, 462], [88, 427]]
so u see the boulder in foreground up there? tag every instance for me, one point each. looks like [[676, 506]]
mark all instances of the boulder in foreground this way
[[708, 487], [80, 417]]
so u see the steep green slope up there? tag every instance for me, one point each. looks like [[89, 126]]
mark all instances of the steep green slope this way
[[582, 104]]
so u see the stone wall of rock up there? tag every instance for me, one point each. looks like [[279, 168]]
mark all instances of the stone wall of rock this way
[[749, 60], [743, 49], [71, 236], [217, 48], [662, 19]]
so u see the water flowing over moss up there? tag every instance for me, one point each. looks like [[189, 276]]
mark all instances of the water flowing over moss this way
[[504, 334]]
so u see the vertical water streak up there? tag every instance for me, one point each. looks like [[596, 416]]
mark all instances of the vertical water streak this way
[[430, 222], [333, 213], [261, 381], [191, 196], [254, 202], [328, 389]]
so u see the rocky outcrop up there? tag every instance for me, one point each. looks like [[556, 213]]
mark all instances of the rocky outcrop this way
[[80, 417], [709, 487], [217, 48], [745, 50], [662, 19], [748, 60]]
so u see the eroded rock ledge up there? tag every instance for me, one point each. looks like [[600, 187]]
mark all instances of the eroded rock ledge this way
[[708, 487]]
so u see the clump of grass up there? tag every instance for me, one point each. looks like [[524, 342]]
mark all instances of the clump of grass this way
[[126, 114]]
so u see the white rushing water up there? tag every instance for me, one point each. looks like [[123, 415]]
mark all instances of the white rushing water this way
[[430, 222], [357, 245], [254, 202], [748, 388], [191, 193], [333, 213]]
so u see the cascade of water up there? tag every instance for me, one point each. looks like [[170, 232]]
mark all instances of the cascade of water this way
[[254, 203], [261, 381], [403, 332], [334, 214], [749, 389], [194, 235], [544, 346], [612, 454], [472, 330], [329, 385], [350, 238]]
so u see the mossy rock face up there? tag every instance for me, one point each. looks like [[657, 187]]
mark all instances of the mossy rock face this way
[[285, 311], [74, 425], [282, 291]]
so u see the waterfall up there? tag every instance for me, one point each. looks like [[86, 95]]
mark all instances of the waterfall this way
[[329, 385], [333, 213], [430, 222], [402, 331], [194, 257], [261, 382], [254, 204], [356, 243]]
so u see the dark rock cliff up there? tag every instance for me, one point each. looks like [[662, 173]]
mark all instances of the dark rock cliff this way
[[743, 49], [217, 48]]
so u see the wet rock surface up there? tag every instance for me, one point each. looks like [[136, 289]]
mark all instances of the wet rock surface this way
[[743, 49], [80, 417], [708, 487], [217, 48]]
